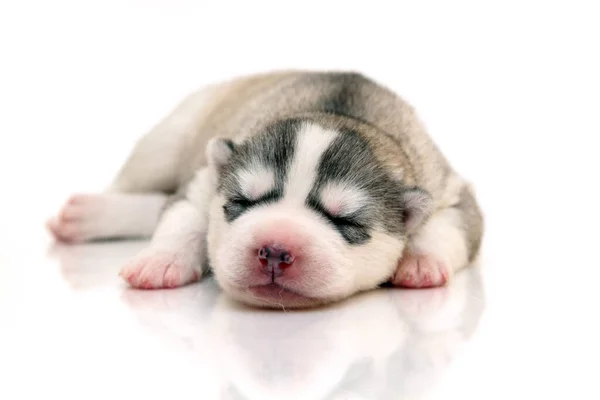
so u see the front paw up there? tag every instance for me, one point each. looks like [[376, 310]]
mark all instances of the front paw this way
[[153, 269], [420, 271]]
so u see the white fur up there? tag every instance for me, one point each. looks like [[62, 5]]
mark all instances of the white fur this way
[[442, 238], [330, 268], [372, 263], [179, 226], [313, 140], [199, 193], [419, 205], [218, 153], [108, 215], [255, 181], [341, 199], [177, 252], [184, 225]]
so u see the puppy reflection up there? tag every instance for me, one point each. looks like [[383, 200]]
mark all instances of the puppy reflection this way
[[384, 344], [270, 355], [92, 265], [387, 344]]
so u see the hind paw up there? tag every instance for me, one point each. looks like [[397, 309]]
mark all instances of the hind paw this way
[[78, 219], [86, 217]]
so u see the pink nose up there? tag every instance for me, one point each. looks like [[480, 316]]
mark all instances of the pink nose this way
[[275, 260]]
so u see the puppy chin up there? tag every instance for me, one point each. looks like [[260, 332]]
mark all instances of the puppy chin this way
[[273, 296]]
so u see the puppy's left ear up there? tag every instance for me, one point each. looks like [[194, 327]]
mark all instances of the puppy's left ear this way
[[417, 207], [218, 153]]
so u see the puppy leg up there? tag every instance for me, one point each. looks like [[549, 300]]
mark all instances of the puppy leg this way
[[154, 162], [177, 252], [132, 204], [446, 243], [88, 217]]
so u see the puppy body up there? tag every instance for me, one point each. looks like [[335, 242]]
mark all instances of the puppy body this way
[[297, 188]]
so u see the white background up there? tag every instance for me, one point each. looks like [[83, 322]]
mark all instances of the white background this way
[[510, 90]]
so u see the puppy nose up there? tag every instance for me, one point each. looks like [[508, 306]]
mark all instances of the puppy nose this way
[[275, 259]]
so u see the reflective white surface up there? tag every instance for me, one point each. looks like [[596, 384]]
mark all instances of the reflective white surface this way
[[92, 331], [71, 328], [511, 95]]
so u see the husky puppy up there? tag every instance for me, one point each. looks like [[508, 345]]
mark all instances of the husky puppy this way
[[296, 188]]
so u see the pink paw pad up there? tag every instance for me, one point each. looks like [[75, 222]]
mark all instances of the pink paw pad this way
[[158, 271], [420, 271]]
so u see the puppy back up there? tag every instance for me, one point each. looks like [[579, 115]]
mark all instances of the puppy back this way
[[244, 106]]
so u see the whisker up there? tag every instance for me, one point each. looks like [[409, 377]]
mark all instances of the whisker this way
[[280, 304]]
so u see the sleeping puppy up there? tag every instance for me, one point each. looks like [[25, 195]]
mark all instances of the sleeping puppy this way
[[295, 188]]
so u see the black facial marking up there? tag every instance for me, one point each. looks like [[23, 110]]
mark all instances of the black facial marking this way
[[272, 149], [230, 144], [349, 226], [236, 206], [349, 159]]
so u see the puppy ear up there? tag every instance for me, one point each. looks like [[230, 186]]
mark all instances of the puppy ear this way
[[417, 207], [218, 153]]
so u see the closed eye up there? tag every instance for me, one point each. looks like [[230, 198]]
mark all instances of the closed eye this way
[[239, 204], [346, 220], [349, 226], [242, 201]]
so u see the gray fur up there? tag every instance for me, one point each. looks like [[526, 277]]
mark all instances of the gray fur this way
[[258, 101], [349, 159], [382, 147], [365, 168], [274, 149], [472, 221], [248, 107]]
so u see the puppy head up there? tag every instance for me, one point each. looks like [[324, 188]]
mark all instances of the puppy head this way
[[305, 215]]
